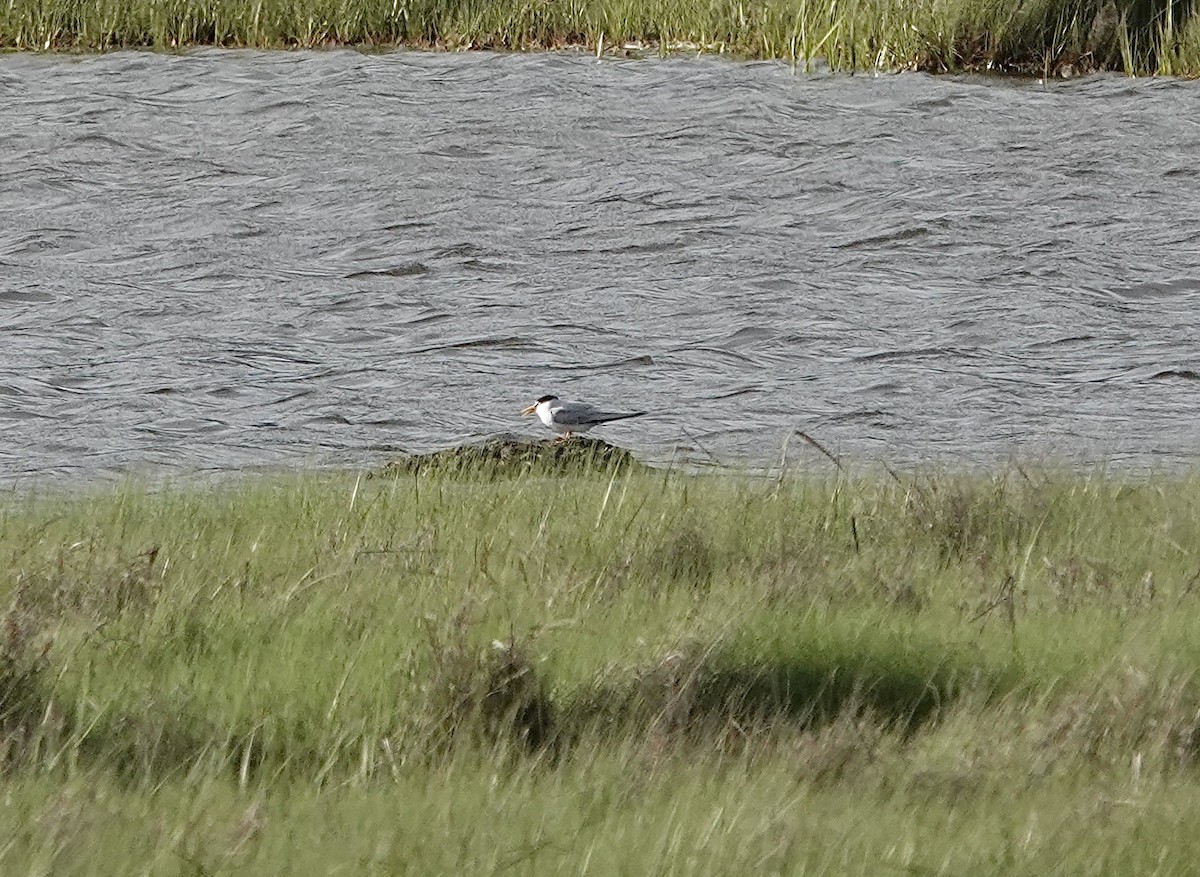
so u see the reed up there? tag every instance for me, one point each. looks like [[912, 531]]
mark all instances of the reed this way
[[615, 671], [1042, 37]]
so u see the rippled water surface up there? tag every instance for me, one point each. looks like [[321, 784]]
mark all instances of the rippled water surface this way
[[221, 260]]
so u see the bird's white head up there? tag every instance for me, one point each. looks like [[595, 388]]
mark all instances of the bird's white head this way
[[532, 409]]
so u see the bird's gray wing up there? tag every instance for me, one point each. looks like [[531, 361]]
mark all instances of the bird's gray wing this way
[[577, 414], [580, 414]]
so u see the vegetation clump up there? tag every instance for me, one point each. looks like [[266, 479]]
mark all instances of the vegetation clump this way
[[508, 456]]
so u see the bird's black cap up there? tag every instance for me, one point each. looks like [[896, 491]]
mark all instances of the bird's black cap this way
[[546, 399]]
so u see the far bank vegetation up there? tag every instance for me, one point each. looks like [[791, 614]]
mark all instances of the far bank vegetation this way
[[1033, 37]]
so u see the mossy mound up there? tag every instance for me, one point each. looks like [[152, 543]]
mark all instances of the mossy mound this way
[[506, 456]]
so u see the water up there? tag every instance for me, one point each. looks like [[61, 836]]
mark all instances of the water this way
[[225, 260]]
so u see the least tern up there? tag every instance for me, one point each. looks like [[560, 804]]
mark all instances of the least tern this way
[[568, 418]]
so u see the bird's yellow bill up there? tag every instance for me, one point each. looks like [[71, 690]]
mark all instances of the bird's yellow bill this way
[[529, 410]]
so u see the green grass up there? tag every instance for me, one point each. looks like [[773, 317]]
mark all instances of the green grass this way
[[1042, 37], [612, 672]]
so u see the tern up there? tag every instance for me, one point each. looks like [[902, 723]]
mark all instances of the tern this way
[[568, 418]]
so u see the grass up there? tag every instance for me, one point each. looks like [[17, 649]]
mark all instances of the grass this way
[[616, 671], [1042, 37]]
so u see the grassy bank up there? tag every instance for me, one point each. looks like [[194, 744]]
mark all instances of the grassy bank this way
[[622, 672], [1031, 36]]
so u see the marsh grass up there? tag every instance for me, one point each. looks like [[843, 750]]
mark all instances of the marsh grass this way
[[620, 670], [1038, 37]]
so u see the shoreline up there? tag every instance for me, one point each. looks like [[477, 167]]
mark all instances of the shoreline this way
[[508, 456]]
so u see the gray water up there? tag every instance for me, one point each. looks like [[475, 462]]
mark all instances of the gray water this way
[[224, 260]]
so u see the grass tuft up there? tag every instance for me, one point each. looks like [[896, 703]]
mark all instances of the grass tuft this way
[[25, 699], [510, 457], [491, 695]]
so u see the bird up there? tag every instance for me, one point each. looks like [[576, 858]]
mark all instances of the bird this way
[[567, 418]]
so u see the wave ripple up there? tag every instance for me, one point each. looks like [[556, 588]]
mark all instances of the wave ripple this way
[[226, 259]]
